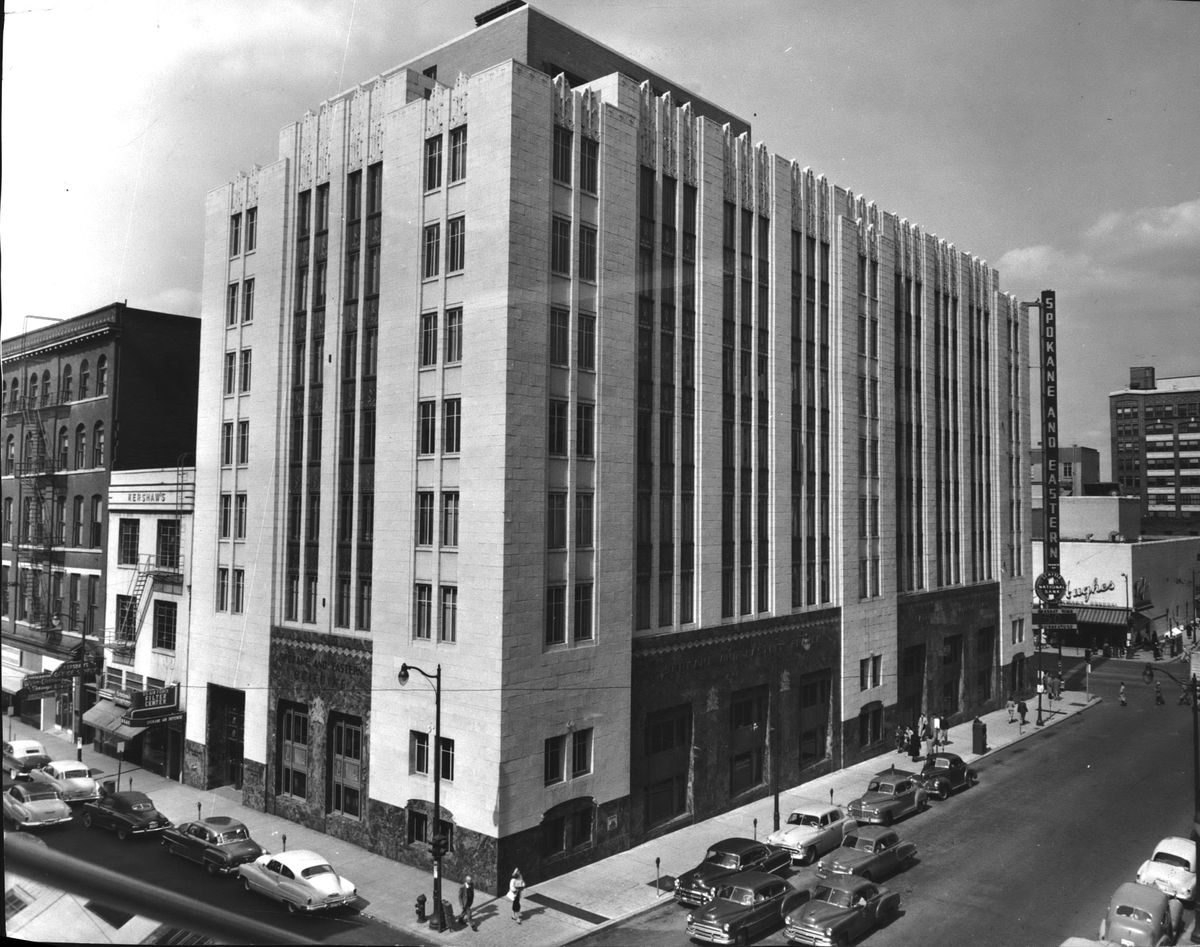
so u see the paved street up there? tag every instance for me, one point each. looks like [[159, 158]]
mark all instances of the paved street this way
[[1031, 855]]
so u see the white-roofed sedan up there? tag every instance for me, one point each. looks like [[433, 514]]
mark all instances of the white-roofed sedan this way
[[30, 806], [73, 779], [301, 879]]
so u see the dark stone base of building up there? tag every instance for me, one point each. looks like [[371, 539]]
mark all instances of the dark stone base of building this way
[[195, 765]]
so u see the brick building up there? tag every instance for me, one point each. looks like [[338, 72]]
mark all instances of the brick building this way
[[1154, 425], [110, 390], [692, 472]]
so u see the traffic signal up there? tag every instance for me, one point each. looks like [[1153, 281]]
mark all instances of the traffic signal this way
[[438, 847], [1148, 673]]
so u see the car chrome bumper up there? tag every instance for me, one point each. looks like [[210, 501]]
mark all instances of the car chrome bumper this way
[[43, 823], [328, 903], [691, 897], [709, 934], [806, 935]]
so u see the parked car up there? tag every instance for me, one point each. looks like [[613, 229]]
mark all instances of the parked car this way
[[945, 773], [74, 780], [30, 806], [891, 794], [1172, 868], [219, 843], [301, 879], [21, 756], [743, 907], [1141, 916], [725, 858], [811, 831], [872, 851], [127, 813], [840, 910]]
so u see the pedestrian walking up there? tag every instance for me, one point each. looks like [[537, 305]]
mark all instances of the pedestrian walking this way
[[901, 739], [1124, 703], [1023, 710], [914, 745], [927, 738], [466, 898], [516, 885], [937, 730], [1011, 707], [945, 733]]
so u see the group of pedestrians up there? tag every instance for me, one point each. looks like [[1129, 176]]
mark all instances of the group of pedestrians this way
[[466, 899], [930, 732]]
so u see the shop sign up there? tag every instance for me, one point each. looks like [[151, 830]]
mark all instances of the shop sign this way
[[45, 684], [1086, 592], [153, 705]]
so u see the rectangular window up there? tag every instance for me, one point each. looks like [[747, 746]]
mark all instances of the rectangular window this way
[[346, 759], [557, 428], [553, 756], [166, 547], [424, 518], [585, 417], [245, 370], [230, 372], [226, 517], [450, 518], [248, 301], [587, 253], [243, 442], [456, 244], [227, 443], [427, 427], [589, 162], [458, 154], [583, 611], [293, 751], [433, 163], [364, 604], [423, 610], [127, 542], [453, 335], [251, 228], [240, 517], [432, 250], [581, 752], [452, 421], [165, 614], [235, 234], [556, 614], [560, 336], [418, 752], [562, 154], [556, 520], [239, 591], [584, 519], [587, 341], [428, 345], [445, 762], [560, 246], [222, 589], [231, 304], [448, 625]]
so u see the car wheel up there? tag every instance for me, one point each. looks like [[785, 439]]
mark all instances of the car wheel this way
[[123, 833], [972, 779], [943, 790], [210, 867], [291, 905], [887, 818], [809, 855], [246, 883], [743, 938], [87, 820]]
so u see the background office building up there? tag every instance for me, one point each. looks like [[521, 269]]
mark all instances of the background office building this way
[[1155, 429], [111, 390], [691, 471]]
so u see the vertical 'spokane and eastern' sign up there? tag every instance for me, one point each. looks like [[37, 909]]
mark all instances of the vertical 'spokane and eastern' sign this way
[[1050, 586]]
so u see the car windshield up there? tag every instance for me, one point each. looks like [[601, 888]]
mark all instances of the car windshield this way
[[941, 763], [313, 870], [803, 818], [858, 842], [835, 896], [878, 785], [1137, 914], [735, 894], [1166, 858], [232, 835], [720, 859]]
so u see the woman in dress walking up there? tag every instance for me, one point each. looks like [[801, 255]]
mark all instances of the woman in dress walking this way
[[516, 885]]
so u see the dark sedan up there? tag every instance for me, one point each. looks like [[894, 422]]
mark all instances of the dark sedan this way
[[945, 773], [871, 851], [219, 843], [743, 907], [726, 858], [127, 813]]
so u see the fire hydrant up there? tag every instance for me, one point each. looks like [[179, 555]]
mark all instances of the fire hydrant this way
[[420, 908]]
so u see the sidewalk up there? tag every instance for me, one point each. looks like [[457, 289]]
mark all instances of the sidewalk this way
[[563, 908]]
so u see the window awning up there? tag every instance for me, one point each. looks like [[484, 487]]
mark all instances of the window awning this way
[[107, 716], [14, 679], [1101, 615]]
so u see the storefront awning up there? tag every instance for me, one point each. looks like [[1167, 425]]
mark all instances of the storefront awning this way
[[14, 678], [1101, 615], [106, 716]]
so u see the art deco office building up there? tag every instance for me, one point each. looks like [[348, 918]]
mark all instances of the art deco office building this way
[[1154, 427], [692, 472]]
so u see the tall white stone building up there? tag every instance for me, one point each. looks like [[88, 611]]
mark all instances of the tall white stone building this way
[[694, 473]]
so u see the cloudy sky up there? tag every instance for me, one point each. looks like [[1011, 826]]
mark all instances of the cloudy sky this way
[[1059, 141]]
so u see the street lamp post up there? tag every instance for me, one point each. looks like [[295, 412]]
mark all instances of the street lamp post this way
[[436, 846], [1128, 613], [1041, 675]]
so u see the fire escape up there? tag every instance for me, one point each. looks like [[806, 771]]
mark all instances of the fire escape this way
[[38, 549]]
